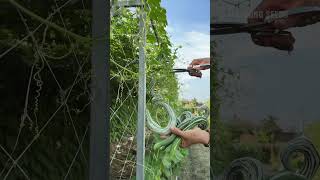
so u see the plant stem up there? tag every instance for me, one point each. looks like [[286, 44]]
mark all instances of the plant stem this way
[[50, 24]]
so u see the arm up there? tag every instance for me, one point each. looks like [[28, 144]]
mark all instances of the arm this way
[[195, 64]]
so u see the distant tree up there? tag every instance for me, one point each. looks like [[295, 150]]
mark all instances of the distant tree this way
[[267, 135], [194, 102], [270, 126]]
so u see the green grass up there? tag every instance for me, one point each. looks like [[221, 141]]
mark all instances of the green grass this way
[[313, 132]]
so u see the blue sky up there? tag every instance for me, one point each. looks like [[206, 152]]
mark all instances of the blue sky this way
[[189, 26]]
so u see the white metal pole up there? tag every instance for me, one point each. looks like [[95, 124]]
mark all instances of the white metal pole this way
[[141, 98]]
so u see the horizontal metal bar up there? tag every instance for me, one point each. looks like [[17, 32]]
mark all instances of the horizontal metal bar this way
[[130, 3]]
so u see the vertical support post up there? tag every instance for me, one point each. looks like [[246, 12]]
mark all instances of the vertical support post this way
[[141, 98], [99, 123]]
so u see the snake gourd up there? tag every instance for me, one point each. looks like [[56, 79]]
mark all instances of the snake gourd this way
[[185, 121], [155, 127]]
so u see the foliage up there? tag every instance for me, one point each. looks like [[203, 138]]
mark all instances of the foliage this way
[[312, 131], [222, 154], [164, 164], [50, 155], [160, 57], [220, 137], [270, 126]]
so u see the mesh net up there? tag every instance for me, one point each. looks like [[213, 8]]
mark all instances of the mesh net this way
[[45, 95], [124, 84]]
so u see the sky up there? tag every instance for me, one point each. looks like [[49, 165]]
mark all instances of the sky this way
[[272, 82], [189, 26]]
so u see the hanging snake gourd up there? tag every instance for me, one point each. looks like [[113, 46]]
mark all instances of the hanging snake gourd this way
[[155, 127]]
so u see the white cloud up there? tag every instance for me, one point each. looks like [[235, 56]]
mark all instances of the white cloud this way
[[169, 29], [195, 44]]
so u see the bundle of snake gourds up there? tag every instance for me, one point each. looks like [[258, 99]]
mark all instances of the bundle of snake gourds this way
[[185, 121], [167, 153]]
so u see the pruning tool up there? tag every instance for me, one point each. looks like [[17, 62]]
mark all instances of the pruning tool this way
[[309, 13], [192, 71]]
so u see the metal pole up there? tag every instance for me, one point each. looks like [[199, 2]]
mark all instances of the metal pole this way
[[99, 123], [141, 99]]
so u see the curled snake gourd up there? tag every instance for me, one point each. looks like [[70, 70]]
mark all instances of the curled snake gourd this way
[[185, 121]]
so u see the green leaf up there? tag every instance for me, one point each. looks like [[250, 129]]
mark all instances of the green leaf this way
[[166, 162]]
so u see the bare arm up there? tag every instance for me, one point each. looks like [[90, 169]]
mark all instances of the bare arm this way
[[195, 64]]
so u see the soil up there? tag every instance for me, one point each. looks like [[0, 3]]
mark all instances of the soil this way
[[197, 164], [122, 156]]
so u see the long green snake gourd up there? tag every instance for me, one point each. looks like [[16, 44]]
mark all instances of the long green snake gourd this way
[[154, 126], [185, 121]]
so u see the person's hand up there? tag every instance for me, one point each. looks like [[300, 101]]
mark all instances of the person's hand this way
[[193, 136], [280, 41], [195, 64]]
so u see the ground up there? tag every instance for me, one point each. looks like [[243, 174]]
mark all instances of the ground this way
[[197, 164]]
